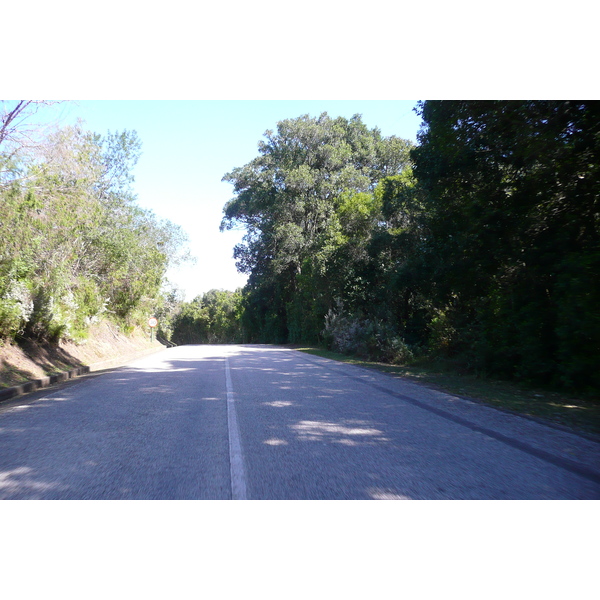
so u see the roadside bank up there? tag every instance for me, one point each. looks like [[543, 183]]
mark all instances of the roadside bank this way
[[28, 366]]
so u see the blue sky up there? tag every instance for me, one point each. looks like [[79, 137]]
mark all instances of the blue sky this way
[[187, 147]]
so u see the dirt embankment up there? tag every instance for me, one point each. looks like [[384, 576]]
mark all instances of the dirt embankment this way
[[106, 347]]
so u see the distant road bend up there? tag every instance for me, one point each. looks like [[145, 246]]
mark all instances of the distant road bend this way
[[265, 422]]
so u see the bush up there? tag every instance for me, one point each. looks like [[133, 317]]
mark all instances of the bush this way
[[371, 339], [10, 318], [16, 307]]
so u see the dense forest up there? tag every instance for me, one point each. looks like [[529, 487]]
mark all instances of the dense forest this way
[[479, 245], [75, 247]]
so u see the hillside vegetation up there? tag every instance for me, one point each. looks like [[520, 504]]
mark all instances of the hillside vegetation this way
[[76, 249]]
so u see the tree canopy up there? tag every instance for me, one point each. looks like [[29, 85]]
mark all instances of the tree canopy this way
[[311, 186], [74, 245], [480, 244], [512, 192]]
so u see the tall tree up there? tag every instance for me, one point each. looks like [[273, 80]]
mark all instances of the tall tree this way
[[287, 199], [512, 193]]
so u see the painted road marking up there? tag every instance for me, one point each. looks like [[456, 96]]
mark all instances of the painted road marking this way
[[236, 462]]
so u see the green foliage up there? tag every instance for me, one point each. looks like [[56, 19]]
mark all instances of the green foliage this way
[[308, 207], [213, 318], [512, 212], [167, 306], [366, 338], [479, 247], [74, 246]]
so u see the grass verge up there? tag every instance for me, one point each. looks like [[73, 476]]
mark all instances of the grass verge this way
[[579, 414]]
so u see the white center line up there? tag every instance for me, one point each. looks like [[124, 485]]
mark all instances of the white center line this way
[[236, 462]]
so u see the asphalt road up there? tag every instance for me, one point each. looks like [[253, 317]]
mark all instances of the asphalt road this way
[[263, 422]]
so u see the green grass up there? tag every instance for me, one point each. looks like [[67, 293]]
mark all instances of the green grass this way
[[579, 414]]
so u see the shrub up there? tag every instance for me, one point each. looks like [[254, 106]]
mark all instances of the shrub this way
[[367, 338]]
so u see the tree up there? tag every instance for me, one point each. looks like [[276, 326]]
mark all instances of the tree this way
[[20, 134], [74, 246], [288, 199], [513, 256], [212, 318]]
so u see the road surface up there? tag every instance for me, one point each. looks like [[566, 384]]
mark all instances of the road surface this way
[[265, 422]]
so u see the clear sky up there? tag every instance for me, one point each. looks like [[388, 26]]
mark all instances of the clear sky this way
[[187, 147]]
